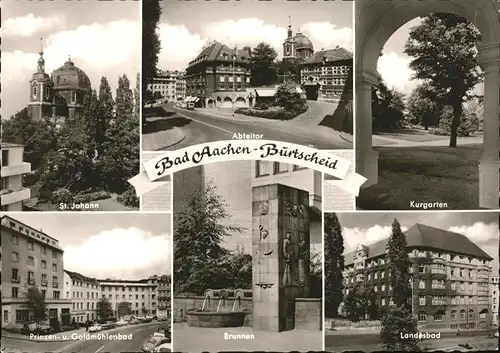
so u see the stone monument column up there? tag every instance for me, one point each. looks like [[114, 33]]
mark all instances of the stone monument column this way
[[280, 254]]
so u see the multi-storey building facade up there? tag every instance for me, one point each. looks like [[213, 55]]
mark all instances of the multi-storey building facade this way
[[30, 258], [169, 85], [494, 284], [219, 76], [141, 294], [13, 193], [234, 181], [163, 291], [325, 73], [450, 277], [84, 293]]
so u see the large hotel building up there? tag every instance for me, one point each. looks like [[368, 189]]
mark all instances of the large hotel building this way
[[451, 277], [32, 258]]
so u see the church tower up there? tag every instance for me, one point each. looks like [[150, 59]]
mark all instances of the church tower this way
[[289, 43], [40, 91]]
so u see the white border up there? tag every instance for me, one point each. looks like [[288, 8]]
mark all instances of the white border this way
[[140, 98], [354, 93]]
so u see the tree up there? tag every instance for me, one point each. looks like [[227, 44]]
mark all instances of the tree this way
[[399, 318], [103, 309], [316, 275], [137, 97], [289, 99], [151, 44], [443, 48], [124, 309], [157, 95], [288, 70], [263, 71], [35, 304], [37, 136], [334, 264], [387, 107], [423, 106], [353, 304], [198, 233], [124, 98]]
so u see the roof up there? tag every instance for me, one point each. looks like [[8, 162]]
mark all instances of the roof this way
[[216, 51], [79, 277], [301, 41], [123, 281], [427, 237], [70, 76], [329, 55]]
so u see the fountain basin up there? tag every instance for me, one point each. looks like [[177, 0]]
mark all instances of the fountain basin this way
[[199, 318]]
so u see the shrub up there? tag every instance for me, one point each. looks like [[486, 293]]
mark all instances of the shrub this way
[[91, 196], [469, 123], [129, 198], [274, 113], [61, 195]]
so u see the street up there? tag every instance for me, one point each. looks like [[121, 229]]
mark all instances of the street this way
[[140, 335], [201, 128], [369, 342]]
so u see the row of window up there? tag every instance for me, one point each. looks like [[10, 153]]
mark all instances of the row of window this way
[[117, 296], [31, 245], [31, 278], [16, 293], [31, 261], [84, 284], [266, 168], [454, 315], [124, 289]]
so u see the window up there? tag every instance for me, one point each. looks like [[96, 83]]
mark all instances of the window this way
[[422, 316], [44, 293], [15, 292], [54, 267], [438, 316], [280, 167], [73, 97], [453, 315], [43, 264], [15, 275], [43, 250], [483, 314], [421, 300], [31, 245], [22, 316], [421, 284], [5, 158], [5, 183], [462, 314], [56, 294], [5, 316], [54, 254], [31, 277], [15, 256], [34, 92], [31, 261], [15, 240], [263, 168], [471, 314]]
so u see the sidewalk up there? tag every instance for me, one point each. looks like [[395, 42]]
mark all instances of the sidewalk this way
[[159, 140]]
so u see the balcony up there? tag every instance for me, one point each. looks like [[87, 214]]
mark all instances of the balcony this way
[[44, 283], [31, 282], [12, 196], [16, 280], [16, 169], [55, 285]]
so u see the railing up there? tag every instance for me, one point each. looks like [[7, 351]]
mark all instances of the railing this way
[[55, 285], [16, 280], [44, 283]]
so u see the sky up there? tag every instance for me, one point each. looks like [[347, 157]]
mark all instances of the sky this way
[[186, 26], [367, 228], [394, 64], [102, 38], [120, 246]]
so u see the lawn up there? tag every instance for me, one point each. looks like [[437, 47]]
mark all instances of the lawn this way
[[424, 174], [412, 135]]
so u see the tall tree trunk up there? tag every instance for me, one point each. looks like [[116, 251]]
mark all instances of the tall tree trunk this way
[[455, 123]]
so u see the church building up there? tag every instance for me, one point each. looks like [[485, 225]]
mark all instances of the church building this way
[[59, 96]]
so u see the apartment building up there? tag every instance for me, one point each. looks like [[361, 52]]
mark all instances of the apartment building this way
[[13, 193], [164, 296], [141, 294], [30, 258], [451, 277], [169, 85], [494, 283], [84, 293]]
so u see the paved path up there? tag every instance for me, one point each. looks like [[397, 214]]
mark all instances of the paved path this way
[[202, 128], [140, 335], [383, 141], [199, 339]]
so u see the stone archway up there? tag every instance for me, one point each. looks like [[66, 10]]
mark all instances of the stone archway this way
[[210, 103], [240, 102], [376, 21], [227, 103], [218, 101]]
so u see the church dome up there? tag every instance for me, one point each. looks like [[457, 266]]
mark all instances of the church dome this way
[[69, 77], [301, 42]]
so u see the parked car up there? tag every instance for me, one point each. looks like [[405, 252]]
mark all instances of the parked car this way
[[190, 106], [95, 328], [121, 323], [154, 342], [164, 330], [108, 325], [164, 347], [162, 318]]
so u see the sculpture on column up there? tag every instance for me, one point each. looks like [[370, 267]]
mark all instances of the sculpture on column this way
[[287, 255], [302, 260], [263, 235], [264, 208]]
